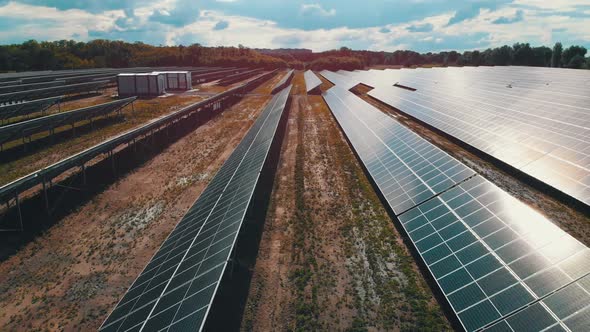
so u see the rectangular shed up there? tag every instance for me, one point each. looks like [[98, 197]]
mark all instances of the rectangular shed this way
[[177, 80], [148, 84]]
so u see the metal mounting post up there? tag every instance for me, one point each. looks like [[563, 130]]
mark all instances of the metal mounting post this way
[[20, 216], [46, 197], [112, 156], [83, 174]]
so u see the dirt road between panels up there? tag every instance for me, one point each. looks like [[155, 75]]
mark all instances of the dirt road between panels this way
[[330, 258], [70, 278]]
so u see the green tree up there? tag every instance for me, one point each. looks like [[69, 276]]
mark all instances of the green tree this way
[[523, 54], [573, 56], [556, 55], [502, 56]]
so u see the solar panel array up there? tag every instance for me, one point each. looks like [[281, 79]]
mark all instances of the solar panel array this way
[[233, 78], [499, 264], [32, 86], [534, 119], [15, 97], [29, 107], [46, 123], [10, 83], [87, 78], [198, 77], [407, 168], [14, 188], [176, 289], [312, 82]]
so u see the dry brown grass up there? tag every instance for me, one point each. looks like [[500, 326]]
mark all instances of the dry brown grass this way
[[330, 258], [298, 84], [266, 87]]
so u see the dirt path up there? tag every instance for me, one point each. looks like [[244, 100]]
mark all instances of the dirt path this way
[[72, 276], [330, 258]]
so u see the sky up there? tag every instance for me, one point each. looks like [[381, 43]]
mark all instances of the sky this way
[[386, 25]]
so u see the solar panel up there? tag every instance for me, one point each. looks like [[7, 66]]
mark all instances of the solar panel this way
[[343, 82], [199, 77], [29, 107], [177, 287], [87, 78], [312, 82], [10, 83], [27, 128], [286, 80], [532, 119], [14, 97], [493, 257], [406, 167], [233, 78], [12, 189], [24, 87]]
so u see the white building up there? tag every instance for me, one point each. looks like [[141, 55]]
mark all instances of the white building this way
[[177, 80], [153, 84]]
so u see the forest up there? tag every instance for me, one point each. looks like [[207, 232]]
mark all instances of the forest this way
[[69, 54]]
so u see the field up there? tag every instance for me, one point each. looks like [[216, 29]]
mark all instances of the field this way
[[19, 162], [331, 257], [102, 246]]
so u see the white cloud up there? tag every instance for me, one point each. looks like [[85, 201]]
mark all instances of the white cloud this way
[[50, 23], [563, 5], [46, 23], [317, 9], [163, 7]]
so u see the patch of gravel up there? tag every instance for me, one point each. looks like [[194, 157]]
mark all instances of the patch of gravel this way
[[86, 287], [139, 219]]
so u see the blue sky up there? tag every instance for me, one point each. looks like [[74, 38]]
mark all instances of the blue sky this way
[[421, 25]]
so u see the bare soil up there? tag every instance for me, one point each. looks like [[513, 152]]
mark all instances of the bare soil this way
[[71, 277], [330, 258]]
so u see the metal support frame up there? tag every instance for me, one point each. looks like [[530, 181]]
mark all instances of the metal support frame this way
[[45, 195], [83, 168], [20, 216], [112, 156]]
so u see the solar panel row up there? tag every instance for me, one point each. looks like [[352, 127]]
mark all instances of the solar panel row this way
[[24, 87], [47, 123], [15, 97], [177, 287], [47, 76], [530, 118], [284, 82], [198, 77], [204, 108], [312, 82], [29, 107], [231, 79], [407, 168], [87, 78], [492, 257], [10, 83]]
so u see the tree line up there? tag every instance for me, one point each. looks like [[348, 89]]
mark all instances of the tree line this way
[[69, 54]]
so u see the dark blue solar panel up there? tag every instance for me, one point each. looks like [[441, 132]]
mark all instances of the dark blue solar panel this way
[[178, 285]]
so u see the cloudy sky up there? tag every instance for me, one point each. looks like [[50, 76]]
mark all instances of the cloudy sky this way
[[421, 25]]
